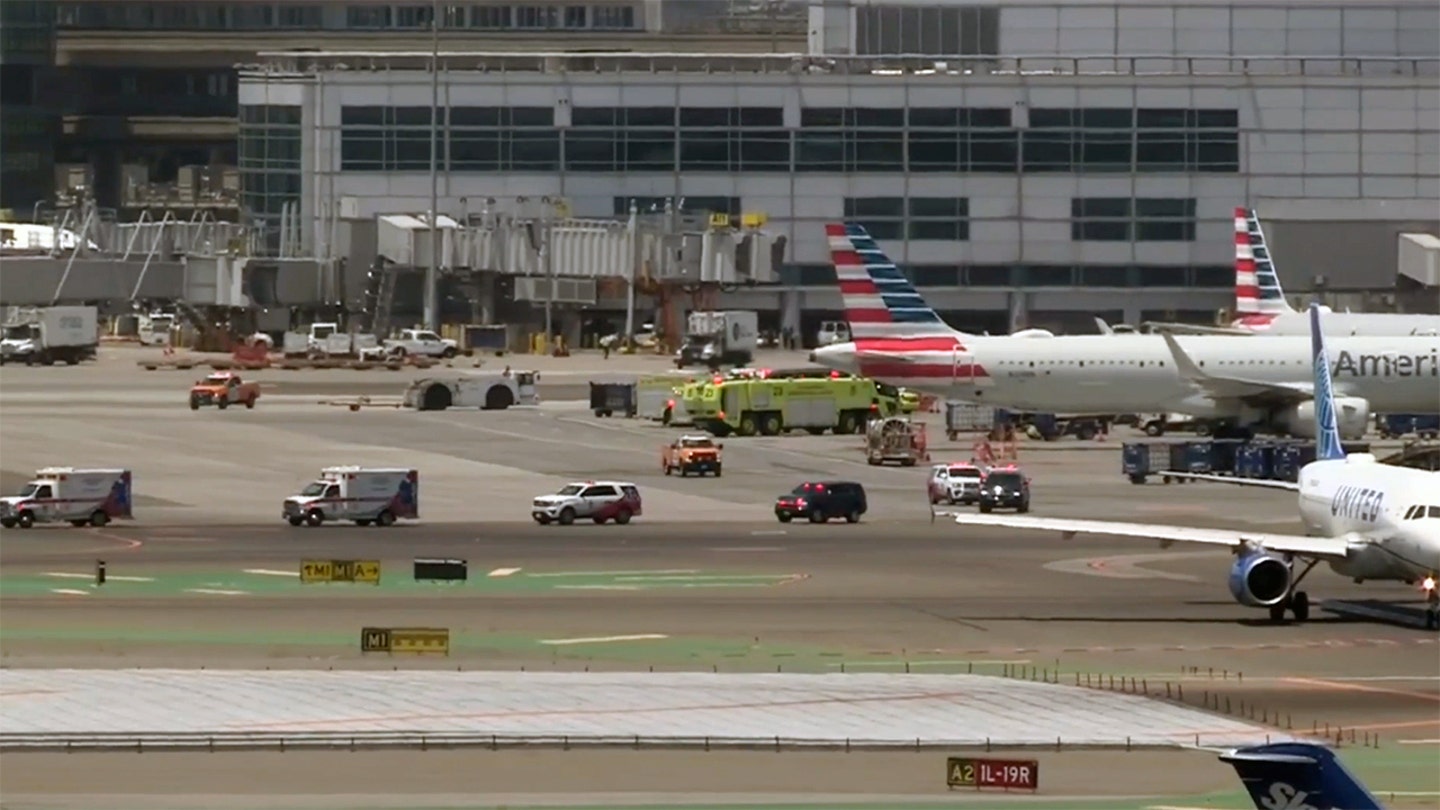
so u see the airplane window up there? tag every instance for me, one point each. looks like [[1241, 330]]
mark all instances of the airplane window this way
[[1435, 511], [1411, 512]]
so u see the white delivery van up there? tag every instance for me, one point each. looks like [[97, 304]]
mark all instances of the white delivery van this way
[[364, 495], [93, 497]]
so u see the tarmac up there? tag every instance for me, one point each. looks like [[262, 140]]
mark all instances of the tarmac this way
[[704, 581]]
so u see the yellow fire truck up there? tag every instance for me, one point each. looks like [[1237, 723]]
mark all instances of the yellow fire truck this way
[[769, 404]]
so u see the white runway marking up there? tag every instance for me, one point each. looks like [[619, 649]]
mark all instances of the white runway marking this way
[[615, 573], [503, 572], [1126, 566], [69, 591], [702, 577], [756, 549], [604, 639], [1419, 742], [597, 587], [62, 575], [216, 591], [767, 532], [270, 572]]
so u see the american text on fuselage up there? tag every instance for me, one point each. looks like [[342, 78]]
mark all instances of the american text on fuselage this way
[[1388, 365], [1358, 503]]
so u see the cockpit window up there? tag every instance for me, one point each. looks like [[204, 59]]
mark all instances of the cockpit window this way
[[1434, 512], [1422, 511]]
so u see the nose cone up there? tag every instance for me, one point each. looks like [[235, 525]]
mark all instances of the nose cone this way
[[837, 356]]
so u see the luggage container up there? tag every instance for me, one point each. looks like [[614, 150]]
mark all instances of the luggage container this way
[[1392, 425], [1139, 460], [1256, 460], [968, 417], [610, 398]]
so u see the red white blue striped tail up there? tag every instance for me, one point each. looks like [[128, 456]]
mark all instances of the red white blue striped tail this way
[[879, 301], [1258, 297]]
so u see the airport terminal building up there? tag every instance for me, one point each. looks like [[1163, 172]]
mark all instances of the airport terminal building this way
[[1026, 163]]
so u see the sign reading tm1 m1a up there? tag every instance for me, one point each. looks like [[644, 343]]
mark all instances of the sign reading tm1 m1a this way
[[1001, 774]]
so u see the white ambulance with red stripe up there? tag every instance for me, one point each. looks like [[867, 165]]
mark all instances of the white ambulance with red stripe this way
[[80, 496], [364, 495]]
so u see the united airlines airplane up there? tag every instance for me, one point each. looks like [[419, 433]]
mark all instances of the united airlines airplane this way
[[1298, 776], [1368, 521]]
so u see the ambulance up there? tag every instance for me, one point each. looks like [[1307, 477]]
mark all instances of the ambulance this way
[[82, 497], [364, 495]]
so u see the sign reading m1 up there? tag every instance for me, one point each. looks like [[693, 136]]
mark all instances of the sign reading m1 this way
[[1388, 365], [1004, 774]]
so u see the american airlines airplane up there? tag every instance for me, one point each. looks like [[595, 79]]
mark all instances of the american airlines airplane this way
[[1368, 521], [1261, 309], [1239, 383]]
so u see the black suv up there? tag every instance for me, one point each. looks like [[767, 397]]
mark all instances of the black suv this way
[[1005, 488], [821, 500]]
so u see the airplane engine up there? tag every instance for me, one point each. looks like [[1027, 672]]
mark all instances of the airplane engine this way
[[1352, 415], [1260, 580]]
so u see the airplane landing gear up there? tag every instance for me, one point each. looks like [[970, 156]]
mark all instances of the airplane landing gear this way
[[1298, 602]]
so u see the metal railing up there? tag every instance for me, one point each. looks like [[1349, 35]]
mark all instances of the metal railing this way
[[276, 63]]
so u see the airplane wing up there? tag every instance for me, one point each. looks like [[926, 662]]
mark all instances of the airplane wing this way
[[1193, 329], [1238, 482], [1315, 547], [1220, 387]]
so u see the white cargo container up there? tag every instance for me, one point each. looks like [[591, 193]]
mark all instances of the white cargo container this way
[[47, 335], [364, 495], [80, 496]]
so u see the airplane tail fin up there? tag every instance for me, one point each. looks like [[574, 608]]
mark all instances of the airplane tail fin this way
[[879, 301], [1327, 429], [1298, 776], [1257, 287]]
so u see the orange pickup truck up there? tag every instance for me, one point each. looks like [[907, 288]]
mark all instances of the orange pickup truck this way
[[692, 454], [222, 389]]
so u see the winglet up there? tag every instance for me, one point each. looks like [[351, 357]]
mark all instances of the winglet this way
[[1104, 327], [1327, 429], [1298, 775], [1187, 367]]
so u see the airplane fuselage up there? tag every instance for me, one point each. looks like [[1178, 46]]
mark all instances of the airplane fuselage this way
[[1138, 374], [1369, 502], [1349, 324]]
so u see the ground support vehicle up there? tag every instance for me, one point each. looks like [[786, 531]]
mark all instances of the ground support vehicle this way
[[715, 339], [50, 335], [819, 501], [81, 497], [661, 398], [490, 392], [967, 417], [598, 500], [771, 406], [223, 389], [895, 440], [610, 398], [1269, 459], [1392, 425], [360, 494], [692, 454]]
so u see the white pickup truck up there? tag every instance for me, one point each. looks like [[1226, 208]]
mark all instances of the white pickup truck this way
[[422, 342]]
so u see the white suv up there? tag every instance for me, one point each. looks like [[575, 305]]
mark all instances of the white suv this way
[[955, 483], [598, 500]]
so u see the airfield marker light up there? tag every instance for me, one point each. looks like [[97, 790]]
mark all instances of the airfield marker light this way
[[1428, 585], [834, 375]]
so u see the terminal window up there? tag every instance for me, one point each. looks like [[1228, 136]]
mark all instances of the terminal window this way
[[1122, 219], [914, 218]]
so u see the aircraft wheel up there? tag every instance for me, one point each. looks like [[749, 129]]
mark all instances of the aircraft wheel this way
[[1300, 606]]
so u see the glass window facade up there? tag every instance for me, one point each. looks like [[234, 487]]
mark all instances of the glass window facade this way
[[208, 15], [1122, 219], [830, 140], [913, 218], [270, 176]]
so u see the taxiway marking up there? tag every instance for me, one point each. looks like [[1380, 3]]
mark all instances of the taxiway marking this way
[[270, 572], [1127, 566], [604, 639], [69, 592], [217, 591], [750, 549], [63, 575], [503, 572]]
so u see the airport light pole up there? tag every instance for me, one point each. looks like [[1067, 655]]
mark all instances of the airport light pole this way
[[432, 289]]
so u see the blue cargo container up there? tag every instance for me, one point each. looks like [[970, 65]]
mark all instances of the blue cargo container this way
[[1256, 460], [1427, 425]]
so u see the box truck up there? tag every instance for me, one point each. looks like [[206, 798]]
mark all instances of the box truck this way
[[714, 339], [47, 335]]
